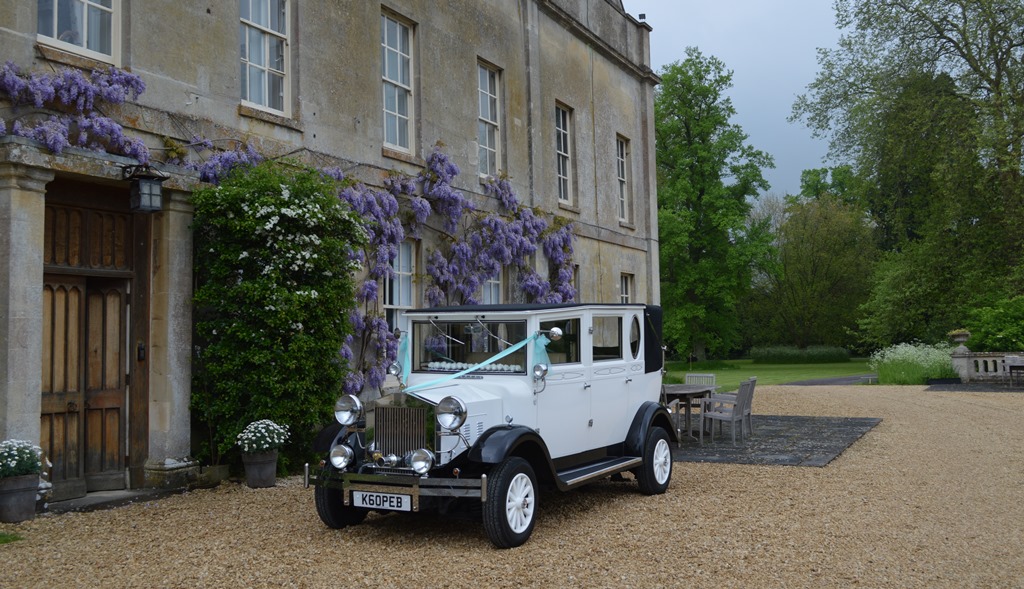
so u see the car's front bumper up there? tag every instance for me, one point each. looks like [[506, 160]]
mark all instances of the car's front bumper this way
[[413, 486]]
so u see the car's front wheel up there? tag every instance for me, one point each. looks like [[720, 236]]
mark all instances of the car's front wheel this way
[[332, 509], [511, 507], [656, 472]]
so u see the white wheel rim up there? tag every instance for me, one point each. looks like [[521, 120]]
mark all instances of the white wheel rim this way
[[519, 503], [662, 460]]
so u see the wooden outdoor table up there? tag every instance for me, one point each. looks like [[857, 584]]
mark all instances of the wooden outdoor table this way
[[685, 394]]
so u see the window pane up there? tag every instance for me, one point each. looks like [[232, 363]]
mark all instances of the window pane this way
[[104, 3], [242, 46], [404, 46], [390, 129], [277, 17], [403, 102], [392, 36], [276, 92], [390, 101], [69, 21], [391, 72], [405, 78], [99, 30], [277, 54], [483, 106], [259, 12], [257, 51], [403, 132], [44, 18], [256, 85], [243, 9]]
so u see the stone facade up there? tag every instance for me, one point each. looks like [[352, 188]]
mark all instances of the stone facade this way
[[588, 58]]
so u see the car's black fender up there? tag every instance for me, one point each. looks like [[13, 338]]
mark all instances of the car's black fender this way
[[324, 439], [498, 443], [649, 415]]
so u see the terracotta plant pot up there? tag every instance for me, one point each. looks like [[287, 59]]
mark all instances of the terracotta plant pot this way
[[260, 469], [18, 498]]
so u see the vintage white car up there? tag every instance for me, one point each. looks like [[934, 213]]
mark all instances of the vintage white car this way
[[497, 402]]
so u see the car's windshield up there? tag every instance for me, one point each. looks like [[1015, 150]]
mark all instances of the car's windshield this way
[[452, 346]]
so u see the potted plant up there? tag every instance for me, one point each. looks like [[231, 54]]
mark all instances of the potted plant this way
[[259, 442], [20, 465]]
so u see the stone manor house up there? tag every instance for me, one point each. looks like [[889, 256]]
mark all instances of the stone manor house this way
[[95, 294]]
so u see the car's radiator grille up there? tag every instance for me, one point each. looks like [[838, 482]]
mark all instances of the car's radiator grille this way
[[400, 429]]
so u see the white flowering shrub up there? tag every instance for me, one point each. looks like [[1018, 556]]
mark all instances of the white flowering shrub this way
[[274, 265], [913, 363], [18, 457], [262, 435]]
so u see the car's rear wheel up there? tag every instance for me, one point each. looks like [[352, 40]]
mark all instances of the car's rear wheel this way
[[511, 507], [656, 472], [332, 509]]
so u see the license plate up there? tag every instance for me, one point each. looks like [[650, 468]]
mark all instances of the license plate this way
[[382, 501]]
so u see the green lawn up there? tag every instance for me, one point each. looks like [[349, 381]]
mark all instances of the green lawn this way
[[729, 374], [5, 537]]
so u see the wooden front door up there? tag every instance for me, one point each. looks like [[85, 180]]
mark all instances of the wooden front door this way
[[85, 349], [105, 346], [63, 390], [83, 393]]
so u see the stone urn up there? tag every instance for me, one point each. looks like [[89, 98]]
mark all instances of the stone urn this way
[[260, 468], [18, 498]]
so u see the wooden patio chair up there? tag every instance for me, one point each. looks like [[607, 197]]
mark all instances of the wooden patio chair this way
[[727, 407]]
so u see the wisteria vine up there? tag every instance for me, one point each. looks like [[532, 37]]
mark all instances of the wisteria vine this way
[[75, 98]]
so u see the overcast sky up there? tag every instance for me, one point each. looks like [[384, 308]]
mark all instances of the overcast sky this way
[[771, 48]]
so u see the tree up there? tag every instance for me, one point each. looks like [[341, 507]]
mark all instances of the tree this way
[[825, 258], [924, 98], [706, 173]]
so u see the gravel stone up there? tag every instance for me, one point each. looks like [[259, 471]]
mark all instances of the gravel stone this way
[[931, 497]]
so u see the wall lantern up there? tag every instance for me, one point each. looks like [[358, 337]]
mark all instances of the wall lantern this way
[[147, 193]]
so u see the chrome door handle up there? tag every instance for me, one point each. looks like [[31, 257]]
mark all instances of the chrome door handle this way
[[586, 385], [629, 380]]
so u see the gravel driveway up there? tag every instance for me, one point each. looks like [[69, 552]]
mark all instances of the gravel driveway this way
[[931, 497]]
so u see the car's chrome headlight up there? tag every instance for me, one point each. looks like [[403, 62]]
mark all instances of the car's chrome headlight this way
[[421, 461], [348, 409], [341, 456], [451, 413]]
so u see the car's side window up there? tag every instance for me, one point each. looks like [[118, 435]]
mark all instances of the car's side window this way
[[634, 337], [567, 349], [607, 340]]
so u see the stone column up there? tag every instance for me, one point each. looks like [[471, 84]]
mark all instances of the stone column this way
[[170, 378], [961, 357], [22, 216]]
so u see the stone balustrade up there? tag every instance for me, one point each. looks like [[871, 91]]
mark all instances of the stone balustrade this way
[[989, 367]]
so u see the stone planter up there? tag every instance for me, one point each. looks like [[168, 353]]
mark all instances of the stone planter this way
[[260, 469], [18, 498]]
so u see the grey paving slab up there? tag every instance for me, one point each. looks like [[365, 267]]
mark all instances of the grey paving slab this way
[[785, 440]]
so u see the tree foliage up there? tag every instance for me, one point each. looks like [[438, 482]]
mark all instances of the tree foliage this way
[[812, 294], [999, 328], [706, 173], [925, 99]]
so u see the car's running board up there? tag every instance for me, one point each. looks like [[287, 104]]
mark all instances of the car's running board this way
[[595, 470]]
